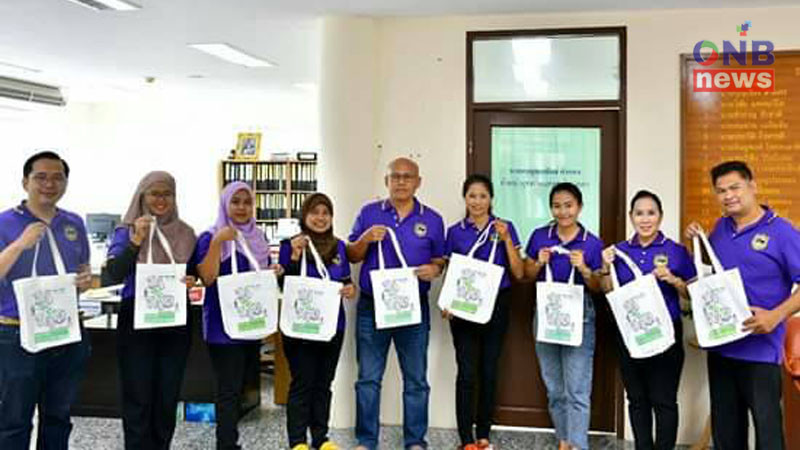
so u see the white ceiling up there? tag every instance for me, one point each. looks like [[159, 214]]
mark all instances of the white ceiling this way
[[92, 51]]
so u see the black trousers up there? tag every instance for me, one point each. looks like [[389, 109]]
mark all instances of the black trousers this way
[[313, 366], [151, 366], [737, 387], [231, 365], [478, 348], [652, 387]]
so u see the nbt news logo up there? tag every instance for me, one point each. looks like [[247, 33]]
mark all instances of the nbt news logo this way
[[755, 79]]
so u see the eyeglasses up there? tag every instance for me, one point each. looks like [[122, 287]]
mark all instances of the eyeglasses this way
[[404, 177], [160, 195], [43, 178]]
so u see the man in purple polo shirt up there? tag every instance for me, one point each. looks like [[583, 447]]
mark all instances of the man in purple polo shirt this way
[[745, 375], [420, 231], [48, 379]]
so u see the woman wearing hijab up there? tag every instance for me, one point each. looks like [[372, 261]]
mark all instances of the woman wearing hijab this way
[[232, 359], [313, 364], [151, 362]]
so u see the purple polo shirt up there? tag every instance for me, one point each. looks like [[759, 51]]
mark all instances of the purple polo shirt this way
[[547, 236], [421, 237], [767, 254], [338, 269], [462, 235], [70, 236], [213, 330], [119, 242], [662, 251]]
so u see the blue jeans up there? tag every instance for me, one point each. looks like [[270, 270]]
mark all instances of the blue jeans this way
[[567, 375], [49, 379], [372, 346]]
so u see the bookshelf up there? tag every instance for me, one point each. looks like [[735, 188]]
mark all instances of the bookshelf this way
[[280, 187]]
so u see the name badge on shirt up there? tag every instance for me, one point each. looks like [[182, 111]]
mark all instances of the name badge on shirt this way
[[420, 229], [71, 233], [760, 241]]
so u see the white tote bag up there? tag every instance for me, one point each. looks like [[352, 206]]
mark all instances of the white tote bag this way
[[396, 291], [559, 309], [470, 288], [641, 312], [48, 305], [719, 302], [248, 301], [160, 299], [310, 308]]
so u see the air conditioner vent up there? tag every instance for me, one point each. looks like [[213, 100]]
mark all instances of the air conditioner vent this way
[[31, 92]]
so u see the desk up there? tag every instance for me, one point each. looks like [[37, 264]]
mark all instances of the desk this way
[[99, 393]]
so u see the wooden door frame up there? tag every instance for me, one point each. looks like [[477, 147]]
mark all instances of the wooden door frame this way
[[620, 106]]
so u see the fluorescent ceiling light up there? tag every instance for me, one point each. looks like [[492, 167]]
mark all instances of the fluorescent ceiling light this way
[[100, 5], [16, 68], [232, 55]]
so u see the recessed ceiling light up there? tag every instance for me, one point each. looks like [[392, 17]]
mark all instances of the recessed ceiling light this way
[[101, 5], [232, 55]]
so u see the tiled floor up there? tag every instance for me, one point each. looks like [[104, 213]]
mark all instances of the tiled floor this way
[[265, 429]]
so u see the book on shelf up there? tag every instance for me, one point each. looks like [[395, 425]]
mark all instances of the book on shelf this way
[[270, 206], [304, 176], [297, 203], [237, 171], [270, 177], [280, 188]]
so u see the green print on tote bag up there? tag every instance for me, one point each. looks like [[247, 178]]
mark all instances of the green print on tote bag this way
[[470, 287], [310, 308], [248, 301], [160, 299], [48, 305], [396, 290]]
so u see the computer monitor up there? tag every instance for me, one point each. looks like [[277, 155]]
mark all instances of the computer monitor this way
[[101, 226]]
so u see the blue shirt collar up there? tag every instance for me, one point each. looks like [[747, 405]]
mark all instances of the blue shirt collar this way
[[767, 218], [465, 222], [659, 240], [419, 208], [22, 210], [580, 237]]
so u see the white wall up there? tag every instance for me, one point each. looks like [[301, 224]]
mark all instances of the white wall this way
[[111, 146], [418, 106], [347, 173]]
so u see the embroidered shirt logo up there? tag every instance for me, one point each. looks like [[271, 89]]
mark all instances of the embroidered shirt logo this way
[[336, 260], [420, 229], [760, 241], [71, 233]]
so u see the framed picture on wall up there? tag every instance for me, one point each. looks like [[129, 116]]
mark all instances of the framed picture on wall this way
[[248, 146]]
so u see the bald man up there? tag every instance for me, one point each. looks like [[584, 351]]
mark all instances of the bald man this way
[[420, 231]]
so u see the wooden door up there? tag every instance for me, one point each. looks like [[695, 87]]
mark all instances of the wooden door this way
[[521, 395]]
